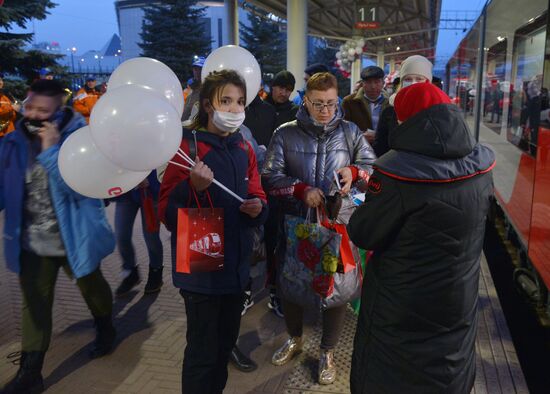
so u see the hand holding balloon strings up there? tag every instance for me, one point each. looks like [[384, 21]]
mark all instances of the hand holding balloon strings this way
[[192, 164]]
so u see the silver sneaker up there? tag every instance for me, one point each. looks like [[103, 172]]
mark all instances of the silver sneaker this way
[[286, 352], [327, 367]]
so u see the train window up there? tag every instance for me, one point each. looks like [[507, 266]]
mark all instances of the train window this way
[[494, 85], [461, 71], [528, 97]]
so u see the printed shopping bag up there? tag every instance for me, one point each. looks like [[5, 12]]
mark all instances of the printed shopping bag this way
[[200, 239], [311, 256]]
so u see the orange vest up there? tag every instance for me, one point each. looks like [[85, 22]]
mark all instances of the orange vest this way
[[84, 102], [7, 115]]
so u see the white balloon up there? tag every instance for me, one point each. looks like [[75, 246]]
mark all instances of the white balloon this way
[[361, 42], [135, 128], [351, 51], [338, 55], [339, 62], [88, 172], [152, 74], [359, 50], [233, 57]]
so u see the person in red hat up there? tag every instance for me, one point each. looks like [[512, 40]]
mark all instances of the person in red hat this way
[[424, 218]]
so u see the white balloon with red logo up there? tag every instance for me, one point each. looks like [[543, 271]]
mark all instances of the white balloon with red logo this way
[[88, 172]]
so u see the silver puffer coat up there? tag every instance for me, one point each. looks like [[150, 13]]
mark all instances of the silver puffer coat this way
[[303, 152]]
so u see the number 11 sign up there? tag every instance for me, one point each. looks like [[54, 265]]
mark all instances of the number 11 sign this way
[[367, 17]]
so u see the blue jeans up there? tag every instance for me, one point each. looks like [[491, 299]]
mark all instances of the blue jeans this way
[[125, 216]]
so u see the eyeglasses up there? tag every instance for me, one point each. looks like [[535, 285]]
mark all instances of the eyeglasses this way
[[317, 106]]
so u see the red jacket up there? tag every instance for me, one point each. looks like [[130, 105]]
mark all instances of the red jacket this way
[[234, 165]]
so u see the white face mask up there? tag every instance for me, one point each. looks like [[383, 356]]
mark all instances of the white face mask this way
[[404, 84], [228, 121]]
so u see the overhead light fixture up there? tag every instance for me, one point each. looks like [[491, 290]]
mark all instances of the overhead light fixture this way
[[398, 48], [531, 20], [500, 38], [389, 38]]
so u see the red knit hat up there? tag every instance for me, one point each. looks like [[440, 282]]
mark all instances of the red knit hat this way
[[418, 97]]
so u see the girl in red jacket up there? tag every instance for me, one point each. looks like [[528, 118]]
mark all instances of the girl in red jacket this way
[[214, 300]]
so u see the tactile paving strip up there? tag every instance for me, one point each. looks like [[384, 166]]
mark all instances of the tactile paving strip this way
[[303, 378]]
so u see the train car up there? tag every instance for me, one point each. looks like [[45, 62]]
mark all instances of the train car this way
[[504, 62]]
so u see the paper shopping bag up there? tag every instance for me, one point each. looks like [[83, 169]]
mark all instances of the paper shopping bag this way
[[200, 240]]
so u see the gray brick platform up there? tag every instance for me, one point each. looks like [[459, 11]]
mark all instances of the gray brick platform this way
[[152, 338]]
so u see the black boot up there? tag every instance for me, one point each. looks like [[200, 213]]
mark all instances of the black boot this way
[[105, 337], [154, 281], [241, 362], [28, 378], [128, 283]]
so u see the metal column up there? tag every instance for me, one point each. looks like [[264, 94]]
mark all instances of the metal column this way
[[296, 42], [355, 73], [232, 17], [380, 59]]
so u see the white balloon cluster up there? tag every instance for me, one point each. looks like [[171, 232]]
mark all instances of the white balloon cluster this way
[[348, 53], [134, 128]]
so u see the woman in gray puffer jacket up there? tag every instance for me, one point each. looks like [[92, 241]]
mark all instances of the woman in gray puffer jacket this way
[[299, 170]]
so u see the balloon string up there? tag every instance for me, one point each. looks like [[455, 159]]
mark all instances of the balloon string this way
[[184, 156]]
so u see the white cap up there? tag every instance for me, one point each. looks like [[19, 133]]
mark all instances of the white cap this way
[[416, 64]]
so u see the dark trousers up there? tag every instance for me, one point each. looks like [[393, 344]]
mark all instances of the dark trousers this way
[[125, 215], [37, 278], [271, 235], [333, 323], [213, 323]]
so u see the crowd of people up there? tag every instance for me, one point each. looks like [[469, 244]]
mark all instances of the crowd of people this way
[[426, 182]]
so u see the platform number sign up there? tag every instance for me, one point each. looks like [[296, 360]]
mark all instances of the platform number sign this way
[[367, 16]]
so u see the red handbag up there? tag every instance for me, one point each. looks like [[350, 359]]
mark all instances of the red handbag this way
[[152, 223], [200, 239]]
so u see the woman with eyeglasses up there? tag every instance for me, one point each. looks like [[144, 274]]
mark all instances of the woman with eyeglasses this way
[[299, 170]]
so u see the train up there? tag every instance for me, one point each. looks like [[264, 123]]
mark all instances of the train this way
[[499, 75]]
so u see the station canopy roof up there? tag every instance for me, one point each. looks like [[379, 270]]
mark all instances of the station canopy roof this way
[[411, 24]]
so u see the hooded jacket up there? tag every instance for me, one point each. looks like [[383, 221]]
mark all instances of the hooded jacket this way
[[424, 218], [86, 234], [234, 165], [303, 154]]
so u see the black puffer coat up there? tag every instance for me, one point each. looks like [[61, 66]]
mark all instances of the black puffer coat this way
[[424, 218]]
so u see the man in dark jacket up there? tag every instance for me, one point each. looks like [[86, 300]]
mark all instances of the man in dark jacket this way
[[281, 89], [260, 119], [424, 218], [364, 107]]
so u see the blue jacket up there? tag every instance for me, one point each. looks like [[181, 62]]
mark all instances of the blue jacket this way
[[86, 234]]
